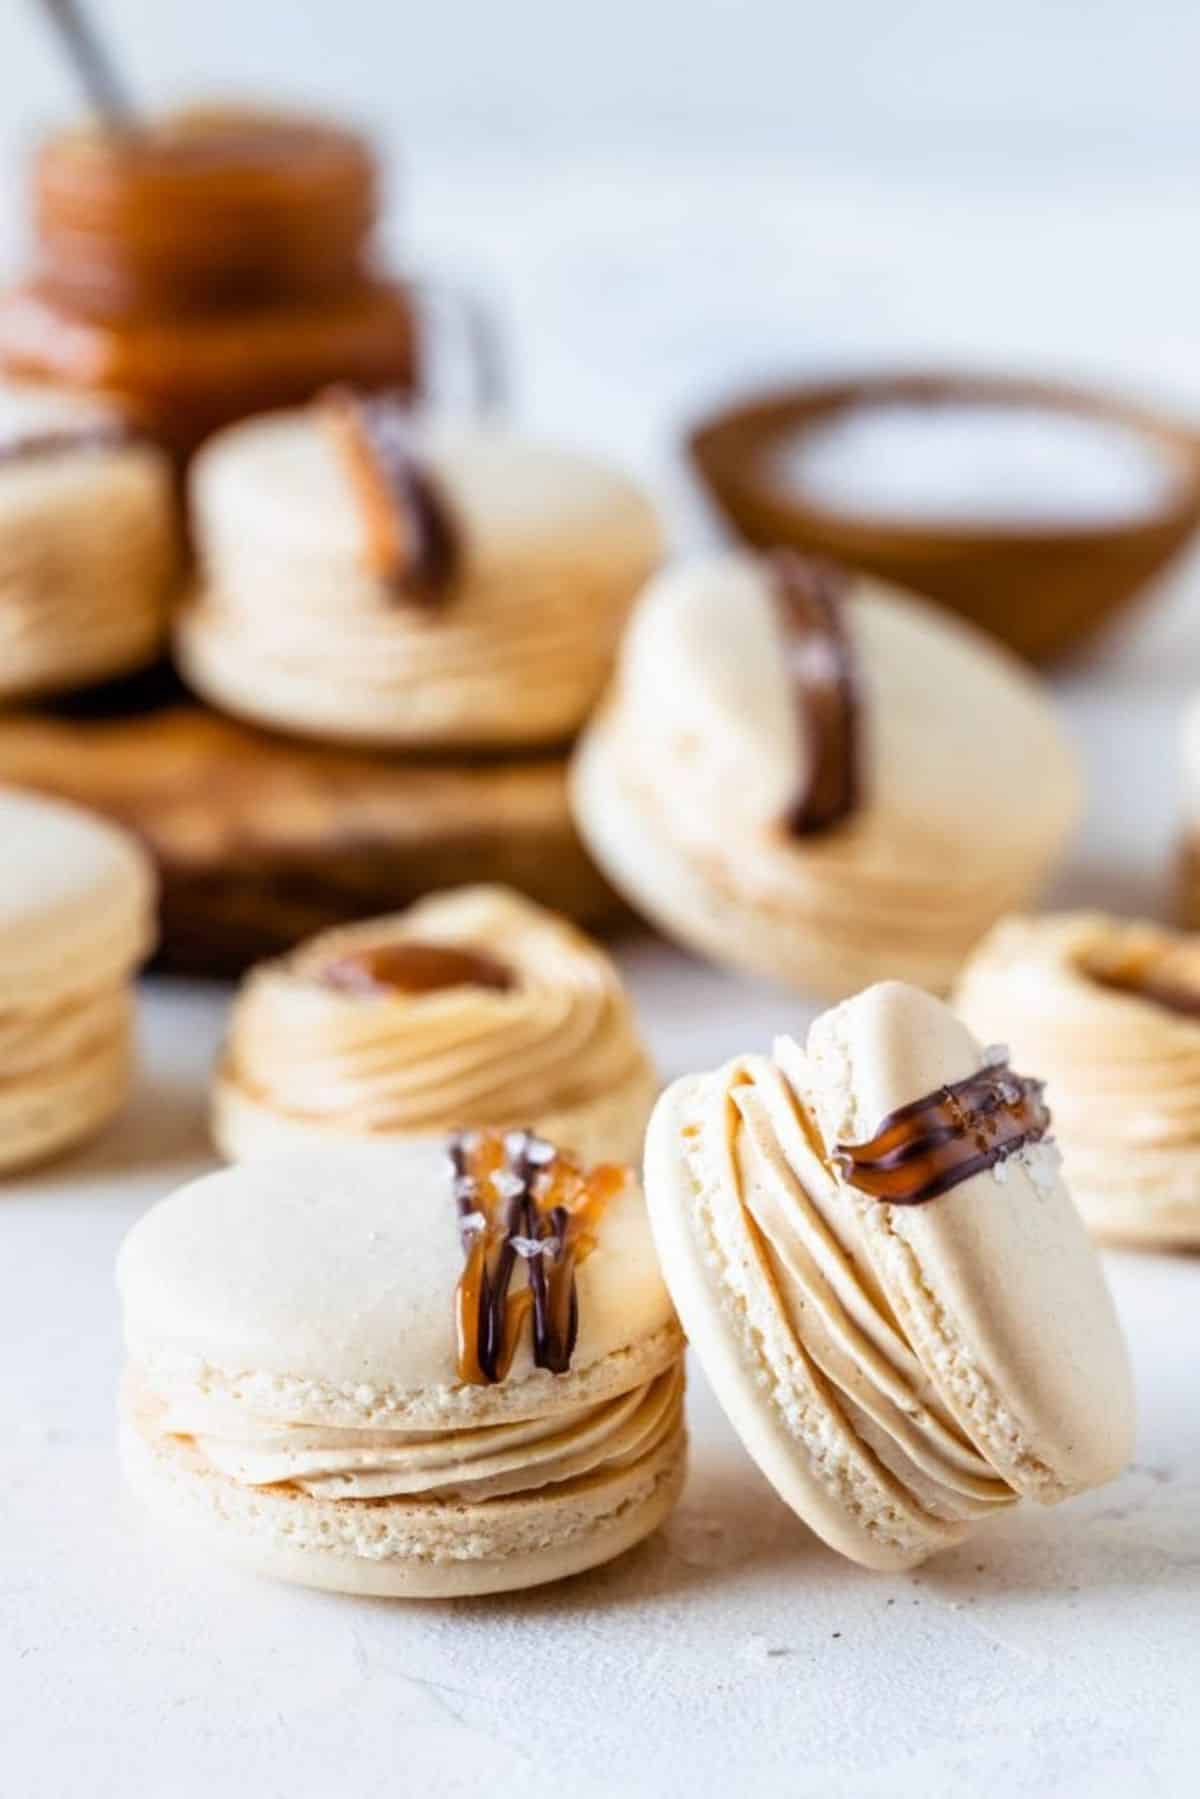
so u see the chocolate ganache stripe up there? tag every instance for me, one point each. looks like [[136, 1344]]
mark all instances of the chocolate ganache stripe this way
[[929, 1146], [520, 1201], [808, 595], [412, 540]]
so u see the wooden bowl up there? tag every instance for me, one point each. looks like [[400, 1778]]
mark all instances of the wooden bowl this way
[[1042, 588]]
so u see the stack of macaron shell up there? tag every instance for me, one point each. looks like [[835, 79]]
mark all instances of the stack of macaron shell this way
[[296, 1390], [692, 785], [901, 1368], [297, 624], [76, 921], [1109, 1011], [87, 542], [474, 1007]]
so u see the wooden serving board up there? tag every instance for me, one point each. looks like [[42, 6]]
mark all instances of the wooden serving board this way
[[261, 840]]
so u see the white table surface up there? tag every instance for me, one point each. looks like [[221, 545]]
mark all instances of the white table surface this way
[[1058, 1653]]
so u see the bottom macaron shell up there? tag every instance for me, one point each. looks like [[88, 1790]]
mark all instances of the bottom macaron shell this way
[[403, 1548], [713, 920]]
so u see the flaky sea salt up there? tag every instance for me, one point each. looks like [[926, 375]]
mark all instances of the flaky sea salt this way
[[960, 462]]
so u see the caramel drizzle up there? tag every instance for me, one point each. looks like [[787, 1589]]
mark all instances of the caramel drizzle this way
[[411, 540], [38, 446], [521, 1202], [409, 966], [1172, 996], [808, 594], [926, 1148]]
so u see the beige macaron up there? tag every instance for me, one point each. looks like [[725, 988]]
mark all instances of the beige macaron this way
[[294, 624], [474, 1007], [901, 1368], [309, 1389], [1108, 1010], [687, 784], [87, 542], [76, 921]]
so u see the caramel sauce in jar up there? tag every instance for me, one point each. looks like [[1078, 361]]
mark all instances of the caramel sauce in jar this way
[[210, 266], [205, 209]]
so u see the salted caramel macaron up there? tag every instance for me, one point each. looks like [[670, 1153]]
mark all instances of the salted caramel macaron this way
[[87, 542], [874, 1256], [819, 779], [1109, 1010], [76, 921], [461, 587], [474, 1007], [404, 1370]]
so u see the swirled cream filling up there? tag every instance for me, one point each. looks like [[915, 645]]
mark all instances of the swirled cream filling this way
[[560, 1036], [489, 1462], [834, 1307]]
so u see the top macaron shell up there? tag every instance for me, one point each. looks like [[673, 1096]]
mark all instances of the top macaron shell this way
[[996, 1282], [958, 743], [323, 1283], [277, 483], [76, 902]]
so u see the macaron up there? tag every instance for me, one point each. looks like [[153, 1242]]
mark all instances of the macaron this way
[[815, 778], [1109, 1010], [874, 1257], [394, 1370], [362, 581], [474, 1007], [87, 542], [76, 921]]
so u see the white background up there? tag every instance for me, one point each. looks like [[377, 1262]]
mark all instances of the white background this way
[[667, 200]]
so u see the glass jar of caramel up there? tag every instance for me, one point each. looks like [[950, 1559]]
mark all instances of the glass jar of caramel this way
[[218, 263]]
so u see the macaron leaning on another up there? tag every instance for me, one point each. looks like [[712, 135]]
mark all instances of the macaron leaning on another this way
[[88, 544], [1109, 1010], [369, 580], [873, 1254], [475, 1007], [393, 1371], [813, 777], [76, 922]]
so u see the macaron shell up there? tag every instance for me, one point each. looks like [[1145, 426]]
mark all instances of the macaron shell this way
[[995, 1282], [325, 1279]]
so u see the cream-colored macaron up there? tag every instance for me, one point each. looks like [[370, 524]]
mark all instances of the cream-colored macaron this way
[[958, 789], [294, 624], [1108, 1010], [474, 1007], [76, 920], [87, 542], [904, 1367], [318, 1385]]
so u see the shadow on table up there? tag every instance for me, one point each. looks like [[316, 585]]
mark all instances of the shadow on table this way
[[1138, 1536]]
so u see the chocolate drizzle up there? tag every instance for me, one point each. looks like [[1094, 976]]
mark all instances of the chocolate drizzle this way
[[65, 440], [808, 594], [926, 1148], [521, 1202], [412, 542], [409, 966]]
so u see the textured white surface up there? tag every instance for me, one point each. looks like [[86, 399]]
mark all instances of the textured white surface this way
[[1057, 1654]]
